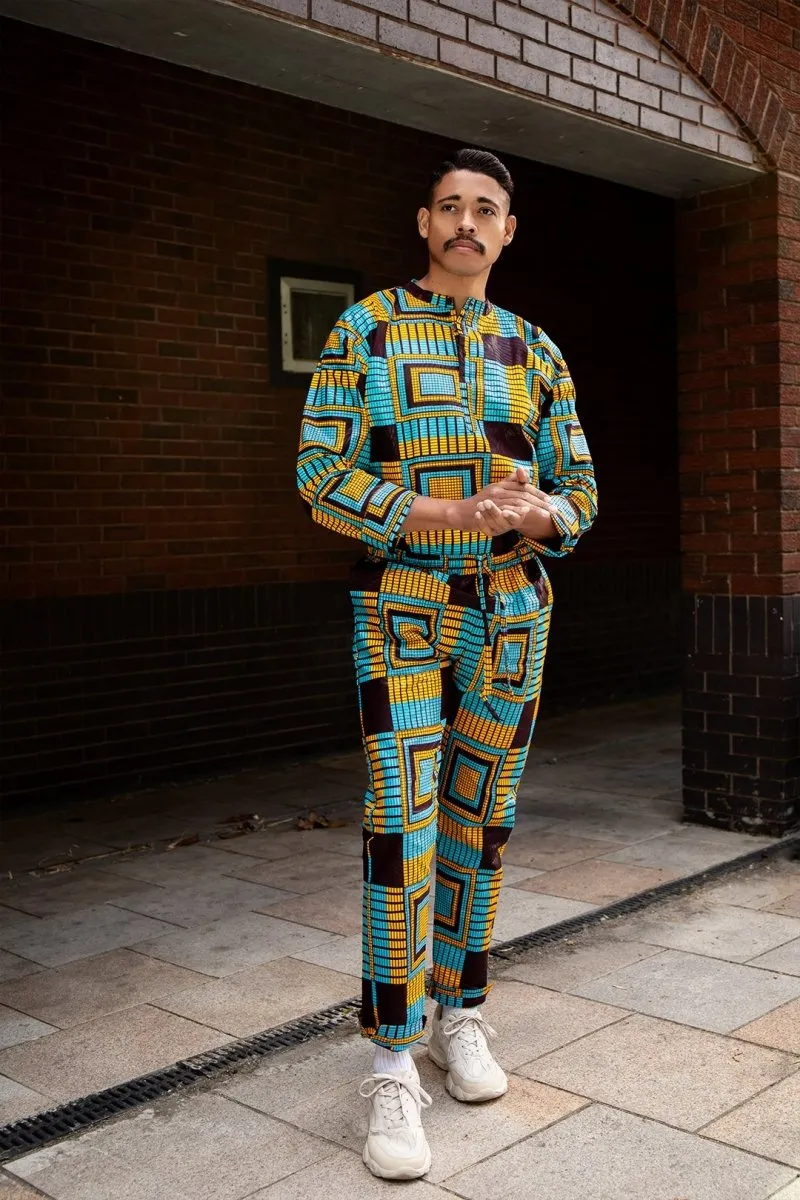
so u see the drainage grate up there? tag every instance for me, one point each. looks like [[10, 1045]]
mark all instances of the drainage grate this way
[[42, 1129], [786, 847], [31, 1133]]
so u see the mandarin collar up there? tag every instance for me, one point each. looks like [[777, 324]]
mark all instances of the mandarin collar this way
[[446, 304]]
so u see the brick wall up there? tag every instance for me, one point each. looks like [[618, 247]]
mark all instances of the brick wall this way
[[151, 502], [147, 447], [583, 55], [738, 254], [738, 270]]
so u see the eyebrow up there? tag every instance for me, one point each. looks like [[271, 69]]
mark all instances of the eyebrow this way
[[481, 200]]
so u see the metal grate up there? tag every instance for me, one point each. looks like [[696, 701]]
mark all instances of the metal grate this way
[[31, 1133], [42, 1129]]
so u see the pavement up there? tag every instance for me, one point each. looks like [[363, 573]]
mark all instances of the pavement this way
[[653, 1057]]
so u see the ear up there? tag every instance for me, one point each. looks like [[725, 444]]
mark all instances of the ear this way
[[423, 222], [511, 227]]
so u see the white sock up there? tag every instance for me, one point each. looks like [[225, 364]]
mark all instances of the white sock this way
[[392, 1062], [449, 1011]]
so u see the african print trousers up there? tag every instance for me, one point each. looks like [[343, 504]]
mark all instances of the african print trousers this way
[[449, 670]]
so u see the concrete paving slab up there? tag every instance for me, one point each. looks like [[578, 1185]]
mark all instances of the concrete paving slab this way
[[209, 899], [549, 851], [205, 1148], [792, 1192], [183, 865], [519, 912], [684, 1077], [603, 821], [683, 850], [304, 1073], [17, 1027], [564, 967], [261, 997], [294, 842], [115, 1048], [779, 1028], [767, 1125], [513, 874], [531, 1021], [343, 954], [13, 923], [755, 887], [310, 873], [82, 934], [337, 909], [224, 947], [705, 993], [13, 1190], [721, 931], [56, 894], [18, 1101], [646, 779], [92, 987], [462, 1134], [611, 1155], [34, 846], [789, 905], [785, 958], [598, 882], [266, 844], [458, 1134], [14, 967], [352, 1179]]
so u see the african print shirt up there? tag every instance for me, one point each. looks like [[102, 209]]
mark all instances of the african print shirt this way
[[413, 397]]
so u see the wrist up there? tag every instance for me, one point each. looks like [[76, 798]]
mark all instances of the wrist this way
[[457, 516]]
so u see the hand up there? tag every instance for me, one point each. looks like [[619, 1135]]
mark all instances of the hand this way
[[493, 520], [515, 495]]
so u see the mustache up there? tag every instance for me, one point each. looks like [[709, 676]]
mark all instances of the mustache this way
[[479, 246]]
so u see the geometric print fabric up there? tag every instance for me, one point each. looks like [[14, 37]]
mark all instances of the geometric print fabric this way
[[412, 397], [444, 766]]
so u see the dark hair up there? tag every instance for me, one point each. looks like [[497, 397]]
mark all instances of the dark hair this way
[[481, 162]]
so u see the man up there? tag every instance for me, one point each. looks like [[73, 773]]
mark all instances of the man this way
[[441, 431]]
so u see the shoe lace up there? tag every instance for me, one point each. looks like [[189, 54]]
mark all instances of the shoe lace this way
[[473, 1031], [390, 1090]]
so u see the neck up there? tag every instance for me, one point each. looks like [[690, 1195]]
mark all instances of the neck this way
[[460, 287]]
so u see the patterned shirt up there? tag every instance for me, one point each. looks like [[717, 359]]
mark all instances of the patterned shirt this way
[[415, 398]]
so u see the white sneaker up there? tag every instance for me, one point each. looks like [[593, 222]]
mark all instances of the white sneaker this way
[[396, 1145], [459, 1046]]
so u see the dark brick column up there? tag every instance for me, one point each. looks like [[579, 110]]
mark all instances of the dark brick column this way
[[739, 340]]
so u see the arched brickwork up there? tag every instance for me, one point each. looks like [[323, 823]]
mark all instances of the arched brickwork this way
[[581, 55], [695, 35]]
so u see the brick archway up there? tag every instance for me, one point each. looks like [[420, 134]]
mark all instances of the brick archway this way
[[689, 31]]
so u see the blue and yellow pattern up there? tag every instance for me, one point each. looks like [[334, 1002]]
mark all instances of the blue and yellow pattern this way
[[444, 765], [412, 397]]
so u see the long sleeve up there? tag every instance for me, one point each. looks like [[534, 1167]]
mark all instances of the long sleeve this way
[[565, 464], [339, 493]]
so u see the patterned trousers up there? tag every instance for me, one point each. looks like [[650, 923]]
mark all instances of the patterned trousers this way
[[449, 670]]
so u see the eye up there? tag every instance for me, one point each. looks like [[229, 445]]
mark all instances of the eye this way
[[489, 212], [448, 207]]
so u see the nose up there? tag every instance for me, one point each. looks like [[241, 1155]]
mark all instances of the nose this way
[[467, 224]]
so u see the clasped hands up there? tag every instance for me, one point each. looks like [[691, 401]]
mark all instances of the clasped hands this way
[[513, 503]]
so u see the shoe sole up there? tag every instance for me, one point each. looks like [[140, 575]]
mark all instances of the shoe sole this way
[[397, 1173], [455, 1090]]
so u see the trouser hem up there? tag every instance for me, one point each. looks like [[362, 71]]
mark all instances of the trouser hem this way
[[462, 1001], [392, 1043]]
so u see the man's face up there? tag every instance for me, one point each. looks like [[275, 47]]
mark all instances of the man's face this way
[[468, 223]]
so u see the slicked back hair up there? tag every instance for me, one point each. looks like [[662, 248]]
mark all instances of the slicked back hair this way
[[481, 162]]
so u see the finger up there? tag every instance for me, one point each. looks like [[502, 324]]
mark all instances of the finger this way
[[521, 475]]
